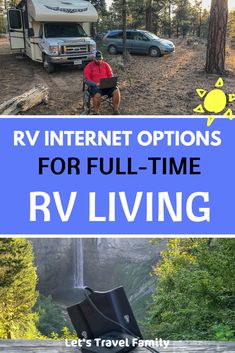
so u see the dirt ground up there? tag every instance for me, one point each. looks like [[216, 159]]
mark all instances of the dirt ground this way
[[150, 86]]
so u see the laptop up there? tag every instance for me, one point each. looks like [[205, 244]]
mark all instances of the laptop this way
[[108, 82]]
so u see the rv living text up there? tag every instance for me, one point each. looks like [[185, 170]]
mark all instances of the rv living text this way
[[53, 32]]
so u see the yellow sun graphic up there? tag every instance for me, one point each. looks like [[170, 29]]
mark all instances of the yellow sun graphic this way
[[215, 102]]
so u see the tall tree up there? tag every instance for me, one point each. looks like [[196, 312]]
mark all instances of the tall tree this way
[[124, 24], [17, 289], [51, 316], [197, 17], [10, 265], [205, 23], [182, 17], [149, 15], [100, 5], [215, 58], [152, 13], [164, 14]]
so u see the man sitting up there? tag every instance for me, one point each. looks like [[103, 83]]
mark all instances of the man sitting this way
[[93, 73]]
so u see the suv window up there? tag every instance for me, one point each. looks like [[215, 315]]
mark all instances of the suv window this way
[[129, 35], [115, 35], [139, 36]]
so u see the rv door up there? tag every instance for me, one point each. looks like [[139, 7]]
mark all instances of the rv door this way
[[16, 29]]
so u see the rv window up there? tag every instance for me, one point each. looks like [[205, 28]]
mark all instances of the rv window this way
[[64, 30], [15, 19]]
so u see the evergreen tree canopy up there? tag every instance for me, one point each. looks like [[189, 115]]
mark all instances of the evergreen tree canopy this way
[[17, 289], [10, 261], [167, 17], [100, 5], [51, 318]]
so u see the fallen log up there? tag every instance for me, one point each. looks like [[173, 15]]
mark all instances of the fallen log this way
[[27, 100]]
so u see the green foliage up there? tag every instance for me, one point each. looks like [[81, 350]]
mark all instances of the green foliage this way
[[65, 334], [17, 289], [222, 332], [10, 260], [195, 286], [52, 321], [182, 18]]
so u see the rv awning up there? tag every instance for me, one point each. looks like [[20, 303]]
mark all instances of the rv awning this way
[[62, 11]]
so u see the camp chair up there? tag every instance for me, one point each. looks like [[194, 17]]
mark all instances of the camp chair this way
[[87, 100]]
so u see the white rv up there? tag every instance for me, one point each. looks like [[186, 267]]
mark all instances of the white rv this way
[[53, 31]]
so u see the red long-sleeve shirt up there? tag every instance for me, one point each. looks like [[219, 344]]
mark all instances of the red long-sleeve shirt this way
[[95, 71]]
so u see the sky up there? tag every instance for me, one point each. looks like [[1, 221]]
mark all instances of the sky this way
[[205, 3]]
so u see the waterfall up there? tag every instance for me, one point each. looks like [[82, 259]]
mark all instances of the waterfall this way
[[78, 263]]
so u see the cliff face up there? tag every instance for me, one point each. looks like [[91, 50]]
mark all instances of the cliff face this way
[[54, 262], [107, 263]]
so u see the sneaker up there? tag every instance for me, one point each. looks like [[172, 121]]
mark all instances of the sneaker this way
[[116, 112]]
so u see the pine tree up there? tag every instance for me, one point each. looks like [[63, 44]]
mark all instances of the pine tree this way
[[10, 264], [100, 6], [17, 289], [205, 23], [197, 18], [51, 317], [149, 15], [164, 15], [215, 58], [182, 17]]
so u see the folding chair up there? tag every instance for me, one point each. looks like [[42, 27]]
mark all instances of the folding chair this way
[[87, 100]]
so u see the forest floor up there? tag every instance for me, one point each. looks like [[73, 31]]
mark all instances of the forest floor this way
[[149, 86]]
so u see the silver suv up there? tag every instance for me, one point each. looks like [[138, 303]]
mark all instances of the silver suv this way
[[138, 42]]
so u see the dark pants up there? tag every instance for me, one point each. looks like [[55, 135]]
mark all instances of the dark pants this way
[[103, 92]]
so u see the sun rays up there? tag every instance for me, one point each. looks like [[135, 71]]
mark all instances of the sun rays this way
[[215, 102]]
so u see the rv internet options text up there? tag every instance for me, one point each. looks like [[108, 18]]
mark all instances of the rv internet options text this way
[[54, 32]]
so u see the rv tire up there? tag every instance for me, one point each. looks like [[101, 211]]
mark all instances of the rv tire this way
[[48, 66]]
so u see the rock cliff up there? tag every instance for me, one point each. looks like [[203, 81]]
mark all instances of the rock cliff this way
[[107, 263]]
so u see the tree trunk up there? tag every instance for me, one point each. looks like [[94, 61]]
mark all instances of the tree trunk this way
[[149, 16], [200, 22], [169, 15], [199, 26], [124, 30], [215, 59], [8, 334], [177, 30]]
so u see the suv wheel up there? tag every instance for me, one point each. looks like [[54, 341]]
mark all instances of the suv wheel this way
[[154, 52], [112, 50], [48, 66]]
